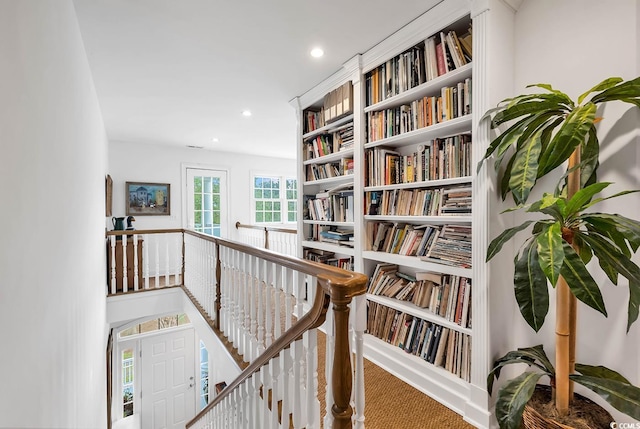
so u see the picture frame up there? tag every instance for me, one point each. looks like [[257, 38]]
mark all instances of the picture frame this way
[[148, 199]]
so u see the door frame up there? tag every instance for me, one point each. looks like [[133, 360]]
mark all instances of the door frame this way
[[185, 185]]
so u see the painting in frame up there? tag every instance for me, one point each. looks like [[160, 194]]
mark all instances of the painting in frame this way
[[148, 199]]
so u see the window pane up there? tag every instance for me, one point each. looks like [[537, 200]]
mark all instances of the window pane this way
[[276, 217], [257, 193], [276, 206], [268, 205], [275, 194], [216, 202], [259, 206], [197, 184], [275, 183], [257, 182], [259, 217], [266, 193], [291, 217], [207, 185], [197, 219], [267, 217], [197, 202], [291, 206], [216, 185]]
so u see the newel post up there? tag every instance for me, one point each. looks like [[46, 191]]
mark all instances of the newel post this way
[[218, 288], [341, 377], [266, 238]]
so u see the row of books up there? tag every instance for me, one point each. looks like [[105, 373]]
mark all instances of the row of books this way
[[331, 169], [337, 140], [444, 244], [336, 104], [452, 246], [434, 343], [445, 52], [400, 238], [331, 208], [447, 201], [436, 56], [328, 258], [445, 295], [436, 159], [452, 102]]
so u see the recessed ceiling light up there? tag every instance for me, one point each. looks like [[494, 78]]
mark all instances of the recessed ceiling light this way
[[215, 140], [246, 112], [317, 52]]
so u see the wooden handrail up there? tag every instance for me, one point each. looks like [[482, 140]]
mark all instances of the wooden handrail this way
[[143, 231], [267, 228], [336, 286]]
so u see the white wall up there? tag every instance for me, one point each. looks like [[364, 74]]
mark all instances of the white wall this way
[[574, 44], [158, 163], [52, 165]]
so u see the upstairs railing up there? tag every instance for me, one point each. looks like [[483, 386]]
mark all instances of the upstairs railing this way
[[281, 240], [268, 306]]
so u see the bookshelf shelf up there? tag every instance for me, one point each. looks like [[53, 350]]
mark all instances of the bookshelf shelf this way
[[330, 247], [415, 262], [424, 184], [331, 157], [326, 222], [427, 88], [437, 220], [461, 125], [329, 127], [414, 310], [330, 180]]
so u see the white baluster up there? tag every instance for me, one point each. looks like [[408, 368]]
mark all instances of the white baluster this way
[[288, 287], [265, 377], [298, 356], [328, 368], [275, 392], [268, 291], [277, 324], [260, 289], [255, 409], [360, 315], [246, 283], [253, 310], [125, 279], [145, 261], [157, 254], [313, 405], [286, 363], [135, 262], [167, 266]]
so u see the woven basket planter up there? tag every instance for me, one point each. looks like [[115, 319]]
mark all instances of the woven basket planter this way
[[532, 419]]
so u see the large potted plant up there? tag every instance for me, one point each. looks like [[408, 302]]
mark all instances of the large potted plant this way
[[543, 133]]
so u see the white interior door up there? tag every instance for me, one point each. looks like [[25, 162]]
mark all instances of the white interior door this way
[[168, 380], [207, 201]]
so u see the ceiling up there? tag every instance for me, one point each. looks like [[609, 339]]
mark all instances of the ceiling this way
[[180, 73]]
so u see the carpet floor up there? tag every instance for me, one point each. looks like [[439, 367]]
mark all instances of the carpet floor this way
[[390, 403]]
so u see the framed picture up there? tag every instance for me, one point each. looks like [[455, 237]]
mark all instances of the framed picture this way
[[148, 198]]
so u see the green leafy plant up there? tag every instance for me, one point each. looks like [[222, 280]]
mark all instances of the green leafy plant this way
[[550, 131]]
